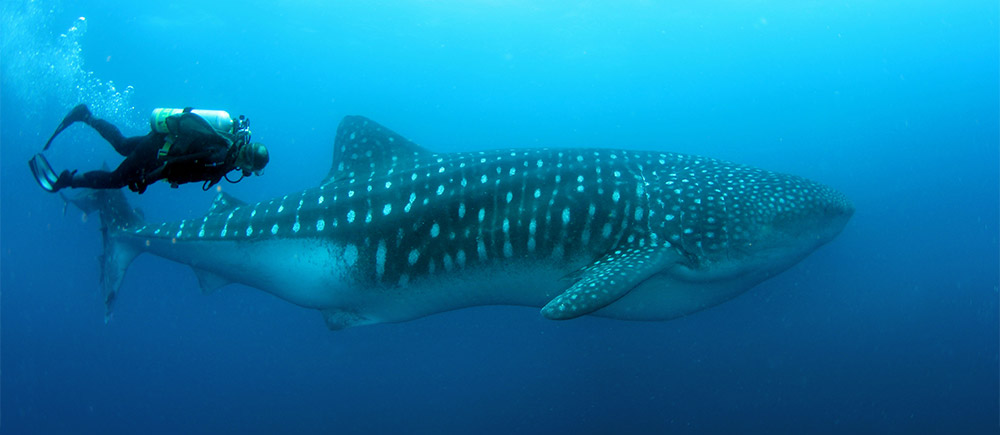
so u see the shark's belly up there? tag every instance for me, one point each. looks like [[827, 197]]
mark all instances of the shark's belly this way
[[662, 297], [514, 283], [667, 296], [318, 274], [306, 272], [679, 290]]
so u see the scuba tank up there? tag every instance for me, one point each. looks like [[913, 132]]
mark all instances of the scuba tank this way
[[218, 119]]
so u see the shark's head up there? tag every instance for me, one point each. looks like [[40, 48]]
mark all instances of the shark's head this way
[[790, 217], [736, 218]]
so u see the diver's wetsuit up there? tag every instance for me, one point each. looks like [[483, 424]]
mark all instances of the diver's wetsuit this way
[[197, 153]]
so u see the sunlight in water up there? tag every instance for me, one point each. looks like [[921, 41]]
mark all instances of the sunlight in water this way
[[45, 69]]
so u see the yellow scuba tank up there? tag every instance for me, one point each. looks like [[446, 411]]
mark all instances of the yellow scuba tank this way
[[218, 119]]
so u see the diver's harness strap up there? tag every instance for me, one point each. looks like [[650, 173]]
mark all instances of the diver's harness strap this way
[[168, 142]]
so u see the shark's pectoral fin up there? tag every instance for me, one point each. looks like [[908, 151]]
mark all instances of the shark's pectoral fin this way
[[208, 281], [607, 280]]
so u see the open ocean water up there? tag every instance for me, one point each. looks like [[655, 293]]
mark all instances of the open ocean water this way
[[890, 328]]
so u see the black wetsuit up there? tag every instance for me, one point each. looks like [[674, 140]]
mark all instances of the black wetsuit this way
[[197, 153]]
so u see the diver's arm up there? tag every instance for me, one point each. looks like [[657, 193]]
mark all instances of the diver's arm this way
[[156, 174], [187, 158]]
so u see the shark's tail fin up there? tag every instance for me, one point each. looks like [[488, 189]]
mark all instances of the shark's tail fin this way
[[116, 215]]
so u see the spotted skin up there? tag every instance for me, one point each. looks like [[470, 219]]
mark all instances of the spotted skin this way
[[396, 232]]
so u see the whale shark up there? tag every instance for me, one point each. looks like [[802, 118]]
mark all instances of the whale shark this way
[[396, 232]]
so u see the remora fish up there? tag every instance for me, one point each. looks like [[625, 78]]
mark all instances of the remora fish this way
[[396, 232]]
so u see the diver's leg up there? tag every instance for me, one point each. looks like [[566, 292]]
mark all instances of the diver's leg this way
[[131, 172], [126, 174], [111, 134], [47, 178], [106, 129], [97, 180]]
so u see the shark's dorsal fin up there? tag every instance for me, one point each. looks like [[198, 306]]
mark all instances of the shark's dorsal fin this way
[[365, 149], [608, 279], [224, 203]]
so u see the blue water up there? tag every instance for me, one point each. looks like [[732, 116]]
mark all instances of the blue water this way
[[891, 328]]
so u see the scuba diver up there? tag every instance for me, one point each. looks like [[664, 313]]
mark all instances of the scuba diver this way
[[184, 146]]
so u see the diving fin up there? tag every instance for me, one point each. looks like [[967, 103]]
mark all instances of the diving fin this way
[[78, 113], [43, 173], [46, 177]]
